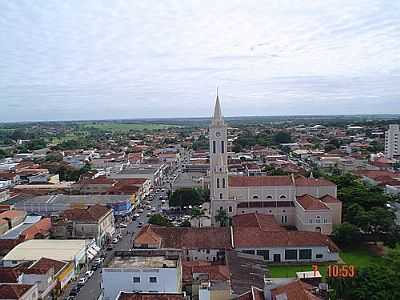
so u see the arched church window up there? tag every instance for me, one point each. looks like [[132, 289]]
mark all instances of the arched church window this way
[[214, 147], [269, 197], [222, 146], [217, 183], [223, 182], [255, 196], [220, 196], [282, 197]]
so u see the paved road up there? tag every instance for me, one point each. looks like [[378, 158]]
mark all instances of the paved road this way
[[92, 289]]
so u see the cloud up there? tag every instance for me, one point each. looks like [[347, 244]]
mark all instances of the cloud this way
[[96, 59]]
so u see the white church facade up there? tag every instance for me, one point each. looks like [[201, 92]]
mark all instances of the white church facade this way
[[309, 204]]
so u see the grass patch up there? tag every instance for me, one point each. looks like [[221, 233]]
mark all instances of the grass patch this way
[[358, 257], [124, 127]]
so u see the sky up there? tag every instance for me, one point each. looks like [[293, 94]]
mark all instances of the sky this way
[[70, 60]]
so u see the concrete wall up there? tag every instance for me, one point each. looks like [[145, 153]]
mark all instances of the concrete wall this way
[[115, 280]]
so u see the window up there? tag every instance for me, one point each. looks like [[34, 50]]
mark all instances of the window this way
[[208, 251], [290, 254], [217, 183], [284, 219], [263, 253], [305, 254], [220, 196], [310, 221], [153, 279], [319, 256], [269, 197], [222, 146], [318, 219], [248, 252], [136, 279], [214, 147], [325, 220], [230, 208], [223, 183], [255, 197], [282, 197]]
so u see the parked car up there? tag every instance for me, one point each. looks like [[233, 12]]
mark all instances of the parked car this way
[[136, 215], [89, 274], [109, 248], [70, 297], [95, 267], [140, 224], [99, 260], [122, 225], [115, 240], [82, 281]]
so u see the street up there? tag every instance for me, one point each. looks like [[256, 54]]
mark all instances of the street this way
[[92, 288]]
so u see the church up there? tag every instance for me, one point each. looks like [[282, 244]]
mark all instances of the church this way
[[309, 204]]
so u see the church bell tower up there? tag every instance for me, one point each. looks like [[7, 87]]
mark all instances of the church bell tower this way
[[218, 136]]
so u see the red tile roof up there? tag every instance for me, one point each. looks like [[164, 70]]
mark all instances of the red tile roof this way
[[11, 214], [187, 238], [43, 265], [261, 221], [245, 181], [91, 214], [245, 237], [296, 290], [150, 296], [309, 202], [42, 227], [214, 272], [9, 275], [13, 291], [303, 181], [329, 199]]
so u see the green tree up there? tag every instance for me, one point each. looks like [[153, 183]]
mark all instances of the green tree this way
[[185, 197], [281, 137], [346, 234], [158, 219], [222, 218]]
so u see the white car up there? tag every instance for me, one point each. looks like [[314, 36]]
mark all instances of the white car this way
[[122, 225], [115, 240], [82, 281], [99, 260], [136, 215], [89, 274]]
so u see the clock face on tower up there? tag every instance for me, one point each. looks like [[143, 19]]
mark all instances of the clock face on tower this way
[[218, 134]]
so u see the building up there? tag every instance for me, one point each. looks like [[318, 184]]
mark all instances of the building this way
[[150, 296], [152, 271], [62, 250], [94, 222], [122, 205], [10, 291], [292, 200], [392, 141]]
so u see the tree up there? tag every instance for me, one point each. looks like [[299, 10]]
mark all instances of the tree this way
[[222, 218], [185, 223], [160, 220], [185, 197], [281, 137], [346, 234]]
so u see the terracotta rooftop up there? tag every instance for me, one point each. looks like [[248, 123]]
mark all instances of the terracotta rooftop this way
[[309, 202], [303, 181], [261, 221], [93, 213], [245, 237], [244, 181], [186, 238], [329, 199], [296, 290], [10, 214], [13, 290], [43, 265], [214, 272], [9, 275]]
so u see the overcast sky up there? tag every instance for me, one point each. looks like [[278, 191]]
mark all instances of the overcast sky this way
[[63, 60]]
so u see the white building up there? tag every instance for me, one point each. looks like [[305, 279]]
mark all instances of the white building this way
[[392, 141], [292, 200], [152, 271]]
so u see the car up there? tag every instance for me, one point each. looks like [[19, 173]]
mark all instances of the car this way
[[82, 281], [115, 240], [89, 274], [153, 209], [74, 291], [140, 210], [70, 297], [163, 201], [148, 214], [140, 225], [122, 225], [109, 248], [95, 267], [99, 260], [136, 215]]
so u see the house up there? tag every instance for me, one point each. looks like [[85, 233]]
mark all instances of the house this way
[[150, 296], [94, 222], [10, 291], [152, 271]]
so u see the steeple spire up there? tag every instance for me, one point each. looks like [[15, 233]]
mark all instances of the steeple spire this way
[[217, 118]]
